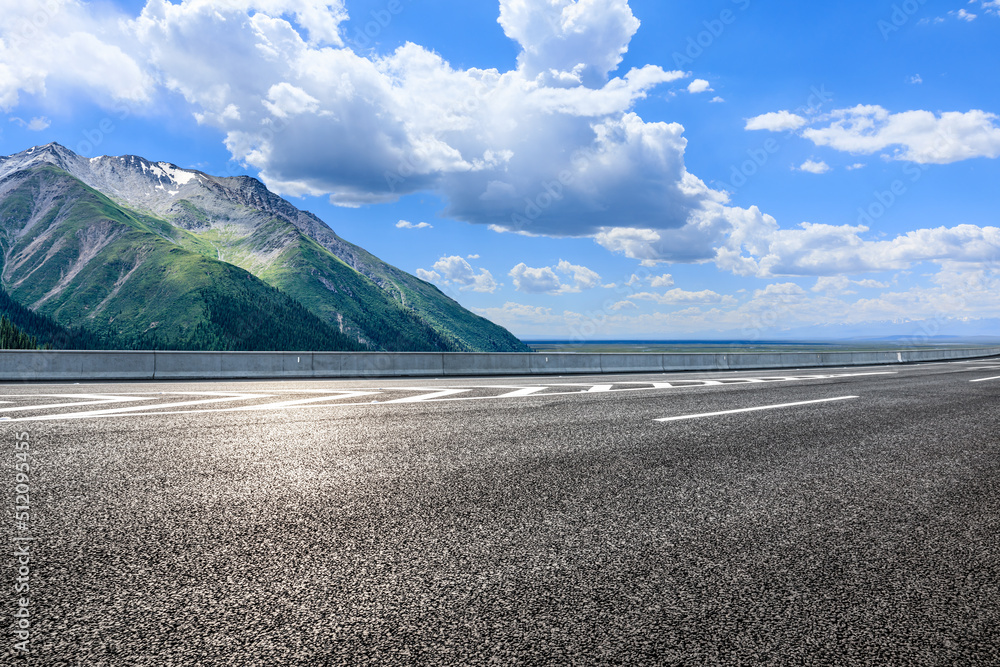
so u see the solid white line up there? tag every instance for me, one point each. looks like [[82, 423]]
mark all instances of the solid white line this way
[[766, 407], [986, 379]]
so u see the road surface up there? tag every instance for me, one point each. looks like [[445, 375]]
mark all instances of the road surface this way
[[847, 515]]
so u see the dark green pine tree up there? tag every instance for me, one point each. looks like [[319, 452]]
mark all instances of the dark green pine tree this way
[[12, 338]]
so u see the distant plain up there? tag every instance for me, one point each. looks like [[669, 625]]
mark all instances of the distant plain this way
[[738, 346]]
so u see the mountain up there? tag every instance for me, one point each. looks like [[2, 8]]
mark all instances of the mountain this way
[[148, 254]]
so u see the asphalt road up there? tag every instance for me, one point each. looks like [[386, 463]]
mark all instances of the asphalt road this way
[[510, 521]]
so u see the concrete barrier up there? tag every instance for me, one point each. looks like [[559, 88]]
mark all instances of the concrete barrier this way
[[378, 364], [59, 365], [562, 363], [30, 365], [631, 363], [472, 363]]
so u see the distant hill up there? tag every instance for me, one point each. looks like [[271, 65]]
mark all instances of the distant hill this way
[[139, 254]]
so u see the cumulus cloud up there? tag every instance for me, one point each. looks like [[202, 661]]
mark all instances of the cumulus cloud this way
[[550, 279], [916, 136], [64, 44], [957, 292], [814, 167], [551, 147], [699, 86], [836, 250], [406, 224], [678, 296], [777, 121], [456, 271], [569, 42], [665, 280]]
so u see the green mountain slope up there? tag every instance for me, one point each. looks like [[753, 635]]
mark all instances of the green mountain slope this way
[[345, 285], [73, 255], [151, 253]]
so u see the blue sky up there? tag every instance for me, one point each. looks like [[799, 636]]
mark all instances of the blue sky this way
[[577, 168]]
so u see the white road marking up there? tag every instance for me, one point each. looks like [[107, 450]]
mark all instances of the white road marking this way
[[766, 407], [437, 394], [100, 399], [111, 412], [520, 392], [327, 398], [306, 401], [986, 379]]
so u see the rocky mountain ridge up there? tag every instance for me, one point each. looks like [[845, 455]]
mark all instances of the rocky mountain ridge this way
[[61, 213]]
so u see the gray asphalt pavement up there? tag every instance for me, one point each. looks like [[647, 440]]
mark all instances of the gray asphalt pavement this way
[[845, 516]]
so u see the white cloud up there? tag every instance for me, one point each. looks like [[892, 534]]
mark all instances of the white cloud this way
[[549, 280], [665, 280], [871, 284], [829, 250], [406, 224], [957, 292], [777, 121], [700, 86], [964, 15], [64, 44], [521, 317], [678, 296], [920, 136], [717, 100], [916, 79], [843, 285], [551, 147], [569, 42], [814, 167], [36, 124], [456, 271]]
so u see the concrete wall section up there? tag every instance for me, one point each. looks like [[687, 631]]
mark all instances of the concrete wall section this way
[[40, 366], [564, 364], [631, 363], [377, 364], [29, 366], [463, 363]]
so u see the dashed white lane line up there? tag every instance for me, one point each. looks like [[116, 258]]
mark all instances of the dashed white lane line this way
[[985, 379], [758, 409]]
